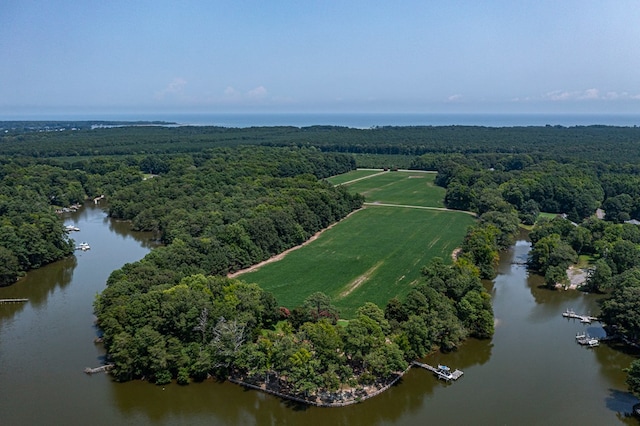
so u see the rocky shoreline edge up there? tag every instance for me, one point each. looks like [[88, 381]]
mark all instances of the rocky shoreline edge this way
[[342, 398]]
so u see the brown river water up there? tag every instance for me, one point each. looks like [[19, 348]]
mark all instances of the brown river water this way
[[531, 373]]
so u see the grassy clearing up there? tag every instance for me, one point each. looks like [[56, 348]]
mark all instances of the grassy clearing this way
[[352, 175], [584, 261], [409, 188], [543, 215], [373, 255]]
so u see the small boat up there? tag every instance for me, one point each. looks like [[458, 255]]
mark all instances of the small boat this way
[[84, 246], [444, 372], [569, 313], [586, 340], [592, 343], [70, 228]]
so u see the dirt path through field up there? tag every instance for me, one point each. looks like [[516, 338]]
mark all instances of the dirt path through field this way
[[364, 177], [281, 256], [442, 209], [358, 281]]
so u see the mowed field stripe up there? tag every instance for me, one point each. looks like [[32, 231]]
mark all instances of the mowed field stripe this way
[[358, 281], [442, 209]]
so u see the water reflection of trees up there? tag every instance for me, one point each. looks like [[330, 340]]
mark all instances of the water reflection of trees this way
[[37, 285], [621, 403], [224, 403], [236, 405], [123, 229], [613, 358], [118, 227]]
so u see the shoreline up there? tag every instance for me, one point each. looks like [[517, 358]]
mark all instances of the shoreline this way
[[331, 400]]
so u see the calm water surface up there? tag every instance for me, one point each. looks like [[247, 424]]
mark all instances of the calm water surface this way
[[532, 372]]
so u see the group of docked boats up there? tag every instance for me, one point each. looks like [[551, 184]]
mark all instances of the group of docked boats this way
[[585, 340], [84, 246]]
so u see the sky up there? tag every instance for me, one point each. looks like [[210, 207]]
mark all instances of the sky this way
[[466, 56]]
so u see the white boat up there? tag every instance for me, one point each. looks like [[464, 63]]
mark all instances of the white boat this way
[[70, 228], [588, 341], [84, 246]]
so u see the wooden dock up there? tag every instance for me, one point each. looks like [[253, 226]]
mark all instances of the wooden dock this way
[[587, 319], [13, 300], [441, 372], [102, 368]]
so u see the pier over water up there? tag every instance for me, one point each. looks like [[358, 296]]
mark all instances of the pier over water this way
[[442, 371]]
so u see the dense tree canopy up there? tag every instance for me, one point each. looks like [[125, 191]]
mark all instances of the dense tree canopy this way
[[504, 148], [204, 325], [222, 199], [31, 235]]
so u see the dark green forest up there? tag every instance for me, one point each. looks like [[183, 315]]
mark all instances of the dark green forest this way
[[563, 144], [221, 199]]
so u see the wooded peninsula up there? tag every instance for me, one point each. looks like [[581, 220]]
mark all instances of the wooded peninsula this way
[[223, 199]]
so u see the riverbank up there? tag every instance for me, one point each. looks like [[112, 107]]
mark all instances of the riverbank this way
[[342, 398]]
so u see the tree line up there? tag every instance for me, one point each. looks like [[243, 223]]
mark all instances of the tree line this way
[[607, 144]]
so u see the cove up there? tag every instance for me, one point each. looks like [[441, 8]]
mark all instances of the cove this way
[[532, 371]]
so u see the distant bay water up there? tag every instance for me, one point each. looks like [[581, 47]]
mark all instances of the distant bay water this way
[[356, 120]]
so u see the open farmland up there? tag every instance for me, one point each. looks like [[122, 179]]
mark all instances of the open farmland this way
[[403, 187], [373, 255], [352, 176]]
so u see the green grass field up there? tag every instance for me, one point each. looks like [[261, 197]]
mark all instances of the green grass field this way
[[352, 175], [409, 188], [373, 255], [543, 215]]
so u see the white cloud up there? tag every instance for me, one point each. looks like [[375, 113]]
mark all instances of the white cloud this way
[[230, 91], [230, 94], [621, 95], [590, 94], [587, 95], [175, 91], [258, 93], [175, 88], [557, 95], [454, 98]]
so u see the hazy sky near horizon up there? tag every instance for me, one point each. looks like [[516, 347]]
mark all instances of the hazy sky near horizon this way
[[466, 56]]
